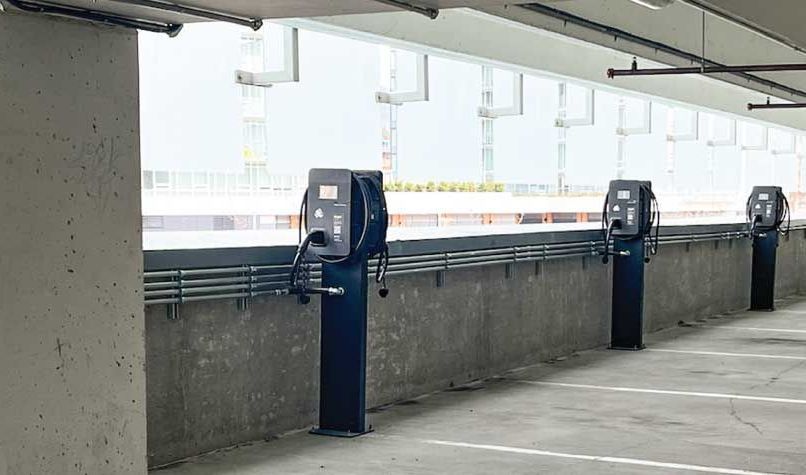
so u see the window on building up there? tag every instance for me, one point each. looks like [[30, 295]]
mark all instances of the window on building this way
[[254, 140], [253, 102], [253, 56]]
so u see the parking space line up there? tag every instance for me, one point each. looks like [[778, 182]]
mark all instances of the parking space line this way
[[718, 353], [738, 397], [796, 312], [596, 458], [756, 329]]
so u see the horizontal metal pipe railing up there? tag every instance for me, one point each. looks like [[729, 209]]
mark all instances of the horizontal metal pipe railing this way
[[248, 281]]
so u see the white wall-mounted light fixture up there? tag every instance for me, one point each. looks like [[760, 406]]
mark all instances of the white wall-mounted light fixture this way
[[693, 132], [420, 94], [673, 137], [788, 149], [622, 132], [587, 119], [290, 71], [563, 123], [516, 108], [727, 141], [654, 4], [761, 146], [645, 126], [713, 142]]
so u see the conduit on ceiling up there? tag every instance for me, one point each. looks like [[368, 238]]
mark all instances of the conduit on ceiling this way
[[171, 29], [711, 69], [655, 45], [431, 13], [768, 105], [747, 68], [253, 23]]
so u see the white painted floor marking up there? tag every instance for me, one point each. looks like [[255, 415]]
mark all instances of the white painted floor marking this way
[[755, 329], [596, 458], [718, 353], [796, 312], [738, 397]]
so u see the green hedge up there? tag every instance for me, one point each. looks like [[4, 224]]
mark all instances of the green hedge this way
[[442, 186]]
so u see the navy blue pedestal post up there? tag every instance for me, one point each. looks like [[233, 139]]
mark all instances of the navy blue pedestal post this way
[[343, 369], [762, 290], [628, 295]]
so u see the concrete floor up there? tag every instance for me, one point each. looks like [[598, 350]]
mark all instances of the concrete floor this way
[[725, 395]]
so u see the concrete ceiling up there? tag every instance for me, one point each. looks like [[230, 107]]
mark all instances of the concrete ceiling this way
[[728, 40], [782, 19], [267, 9]]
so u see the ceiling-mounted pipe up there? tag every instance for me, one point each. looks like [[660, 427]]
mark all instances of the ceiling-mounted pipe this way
[[431, 13], [648, 43], [253, 23], [747, 68], [171, 29], [794, 105]]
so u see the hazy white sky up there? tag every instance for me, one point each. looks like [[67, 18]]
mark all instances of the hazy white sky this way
[[191, 120]]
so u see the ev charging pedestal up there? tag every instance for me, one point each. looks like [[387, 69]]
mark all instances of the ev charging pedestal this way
[[342, 381], [762, 290], [767, 209], [629, 216], [346, 219], [627, 313]]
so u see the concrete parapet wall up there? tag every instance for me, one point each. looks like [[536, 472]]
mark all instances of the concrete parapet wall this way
[[220, 376]]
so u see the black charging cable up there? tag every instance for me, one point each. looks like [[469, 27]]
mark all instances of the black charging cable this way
[[749, 219], [607, 234], [380, 271], [605, 230], [785, 214], [313, 237], [653, 221]]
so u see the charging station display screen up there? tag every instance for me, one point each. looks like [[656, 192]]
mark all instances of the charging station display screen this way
[[328, 192], [763, 196], [623, 194]]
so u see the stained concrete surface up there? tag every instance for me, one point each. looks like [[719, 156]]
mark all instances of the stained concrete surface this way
[[220, 376], [72, 348], [538, 419]]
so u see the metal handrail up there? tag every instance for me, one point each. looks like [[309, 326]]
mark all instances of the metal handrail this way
[[249, 281]]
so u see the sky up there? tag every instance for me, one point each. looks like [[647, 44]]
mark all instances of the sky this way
[[191, 120]]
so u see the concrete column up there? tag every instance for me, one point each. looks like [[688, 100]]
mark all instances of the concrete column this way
[[72, 378]]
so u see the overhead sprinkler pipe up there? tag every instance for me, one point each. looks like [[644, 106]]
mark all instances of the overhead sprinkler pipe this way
[[794, 105], [747, 68], [620, 35], [171, 29], [253, 23], [431, 13]]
